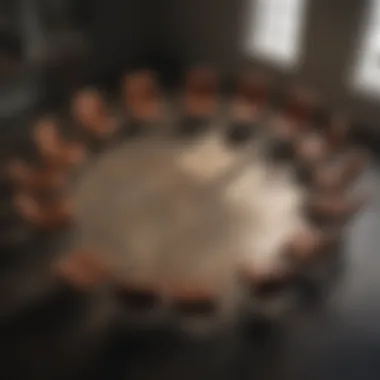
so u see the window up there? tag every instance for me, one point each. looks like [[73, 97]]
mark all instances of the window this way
[[367, 69], [275, 30]]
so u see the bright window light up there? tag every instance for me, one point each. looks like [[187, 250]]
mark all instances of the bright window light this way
[[367, 69], [275, 30]]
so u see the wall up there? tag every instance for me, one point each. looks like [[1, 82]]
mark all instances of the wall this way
[[213, 30], [127, 33]]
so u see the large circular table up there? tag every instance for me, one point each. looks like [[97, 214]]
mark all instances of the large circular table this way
[[187, 217]]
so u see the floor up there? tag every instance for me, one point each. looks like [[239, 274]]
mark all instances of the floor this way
[[336, 339]]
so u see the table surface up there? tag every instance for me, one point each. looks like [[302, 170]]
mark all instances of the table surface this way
[[170, 214]]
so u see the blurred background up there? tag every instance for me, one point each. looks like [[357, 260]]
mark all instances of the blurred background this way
[[48, 48], [329, 46]]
